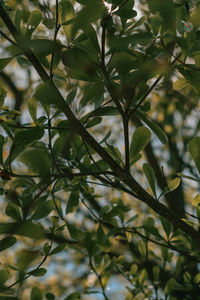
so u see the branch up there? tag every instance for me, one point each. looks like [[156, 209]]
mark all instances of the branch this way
[[150, 89], [57, 27], [108, 83], [60, 102], [17, 93]]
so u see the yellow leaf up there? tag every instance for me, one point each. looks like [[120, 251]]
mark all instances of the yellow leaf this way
[[196, 200]]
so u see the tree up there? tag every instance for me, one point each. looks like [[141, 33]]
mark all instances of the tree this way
[[99, 149]]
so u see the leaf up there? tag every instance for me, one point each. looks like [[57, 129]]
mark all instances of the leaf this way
[[194, 149], [75, 233], [188, 177], [38, 161], [180, 84], [93, 122], [154, 127], [36, 294], [8, 298], [196, 200], [156, 273], [105, 111], [58, 249], [140, 139], [169, 286], [166, 10], [172, 185], [150, 175], [73, 201], [73, 296], [32, 107], [7, 242], [13, 212], [43, 47], [50, 296], [34, 19], [67, 13], [166, 226], [3, 94], [192, 77], [23, 139], [39, 272], [43, 209], [25, 228], [4, 62], [4, 276], [71, 96]]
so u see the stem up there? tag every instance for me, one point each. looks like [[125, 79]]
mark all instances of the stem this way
[[150, 89], [57, 27], [99, 277], [60, 102], [126, 142], [30, 273]]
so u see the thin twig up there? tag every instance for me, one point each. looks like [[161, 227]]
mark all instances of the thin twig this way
[[99, 277], [7, 38], [108, 83], [169, 245], [150, 90], [57, 27], [29, 273], [126, 142]]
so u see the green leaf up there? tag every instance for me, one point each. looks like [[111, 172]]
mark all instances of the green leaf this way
[[75, 233], [140, 139], [105, 111], [43, 47], [43, 209], [38, 161], [13, 212], [36, 294], [180, 84], [93, 122], [39, 272], [8, 298], [73, 296], [156, 273], [166, 10], [50, 296], [172, 185], [34, 19], [7, 242], [73, 201], [150, 175], [194, 149], [23, 139], [67, 13], [58, 249], [4, 62], [192, 77], [188, 177], [196, 200], [32, 107], [4, 276], [71, 96], [171, 283], [25, 228], [3, 94], [166, 226], [154, 127]]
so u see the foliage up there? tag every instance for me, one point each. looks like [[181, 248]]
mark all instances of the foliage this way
[[99, 149]]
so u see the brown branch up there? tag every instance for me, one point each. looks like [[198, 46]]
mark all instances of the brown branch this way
[[150, 90], [59, 101]]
